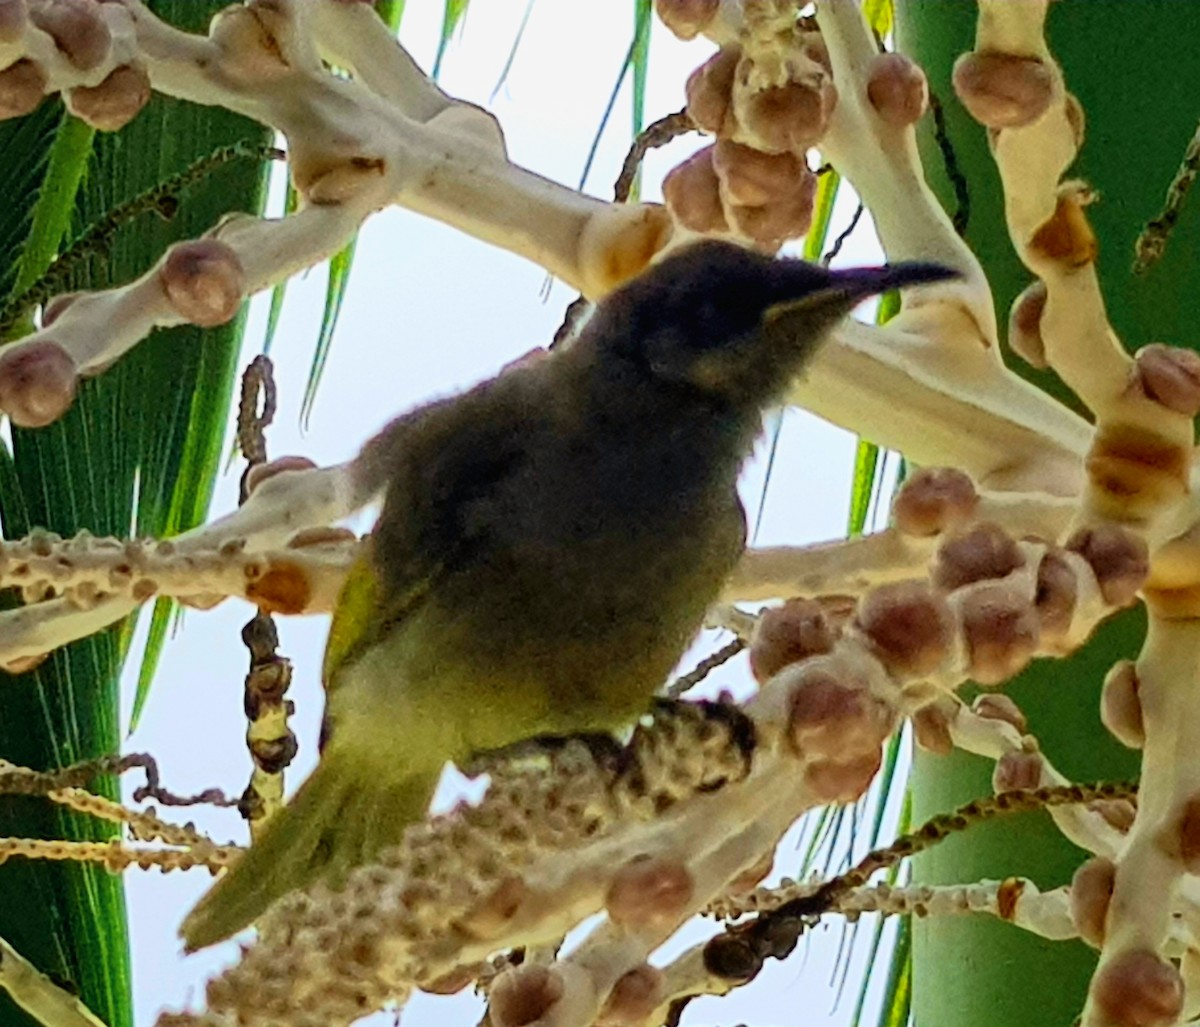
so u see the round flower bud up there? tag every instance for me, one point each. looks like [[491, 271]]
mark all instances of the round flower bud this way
[[204, 281], [773, 224], [710, 87], [1025, 325], [1120, 707], [78, 30], [22, 87], [523, 994], [897, 89], [790, 118], [13, 14], [1117, 813], [931, 730], [692, 194], [994, 706], [1057, 593], [634, 997], [37, 382], [842, 780], [830, 719], [1017, 771], [981, 553], [1091, 892], [1119, 559], [933, 500], [1138, 989], [687, 18], [53, 308], [909, 626], [1002, 90], [788, 634], [752, 178], [1001, 630], [1171, 376], [114, 102], [649, 890]]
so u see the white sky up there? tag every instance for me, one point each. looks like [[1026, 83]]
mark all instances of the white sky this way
[[430, 311]]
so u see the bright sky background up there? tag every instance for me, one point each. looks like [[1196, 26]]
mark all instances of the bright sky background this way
[[430, 311]]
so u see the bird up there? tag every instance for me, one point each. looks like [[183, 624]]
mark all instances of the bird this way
[[548, 545]]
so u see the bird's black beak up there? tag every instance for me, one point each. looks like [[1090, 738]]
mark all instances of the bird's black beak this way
[[847, 287]]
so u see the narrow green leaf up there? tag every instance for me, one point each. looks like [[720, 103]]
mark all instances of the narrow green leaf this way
[[452, 14], [391, 11], [50, 218], [818, 233], [512, 52], [897, 1005], [335, 293], [880, 15], [866, 461], [642, 20], [609, 107]]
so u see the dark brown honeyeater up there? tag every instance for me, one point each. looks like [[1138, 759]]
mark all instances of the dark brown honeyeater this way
[[547, 548]]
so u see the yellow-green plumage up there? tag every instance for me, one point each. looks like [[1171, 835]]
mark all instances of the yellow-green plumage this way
[[548, 545]]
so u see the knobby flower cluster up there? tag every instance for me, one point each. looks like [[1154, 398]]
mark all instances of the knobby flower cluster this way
[[1026, 527]]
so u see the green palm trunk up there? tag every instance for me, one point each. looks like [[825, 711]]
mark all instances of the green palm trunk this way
[[1133, 67]]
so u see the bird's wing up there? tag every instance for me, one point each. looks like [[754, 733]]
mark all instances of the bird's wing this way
[[438, 459]]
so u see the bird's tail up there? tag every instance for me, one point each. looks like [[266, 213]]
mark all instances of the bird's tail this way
[[341, 817]]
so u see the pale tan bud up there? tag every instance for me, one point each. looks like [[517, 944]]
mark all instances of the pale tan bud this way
[[908, 625], [1138, 989], [1066, 237], [980, 553], [37, 382], [692, 194], [114, 102], [1025, 325], [773, 224], [1077, 119], [687, 18], [995, 706], [1120, 707], [791, 118], [1001, 630], [931, 730], [649, 890], [1017, 771], [830, 719], [634, 997], [933, 500], [259, 473], [753, 178], [710, 87], [523, 995], [842, 780], [1171, 376], [1091, 892], [204, 281], [1057, 594], [79, 31], [1189, 836], [897, 89], [1002, 90], [788, 634], [13, 15], [1119, 559], [22, 87]]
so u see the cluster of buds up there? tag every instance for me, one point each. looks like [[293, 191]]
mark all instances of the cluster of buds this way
[[767, 96], [69, 46]]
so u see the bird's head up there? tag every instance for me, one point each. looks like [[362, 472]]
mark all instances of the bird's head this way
[[737, 326]]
